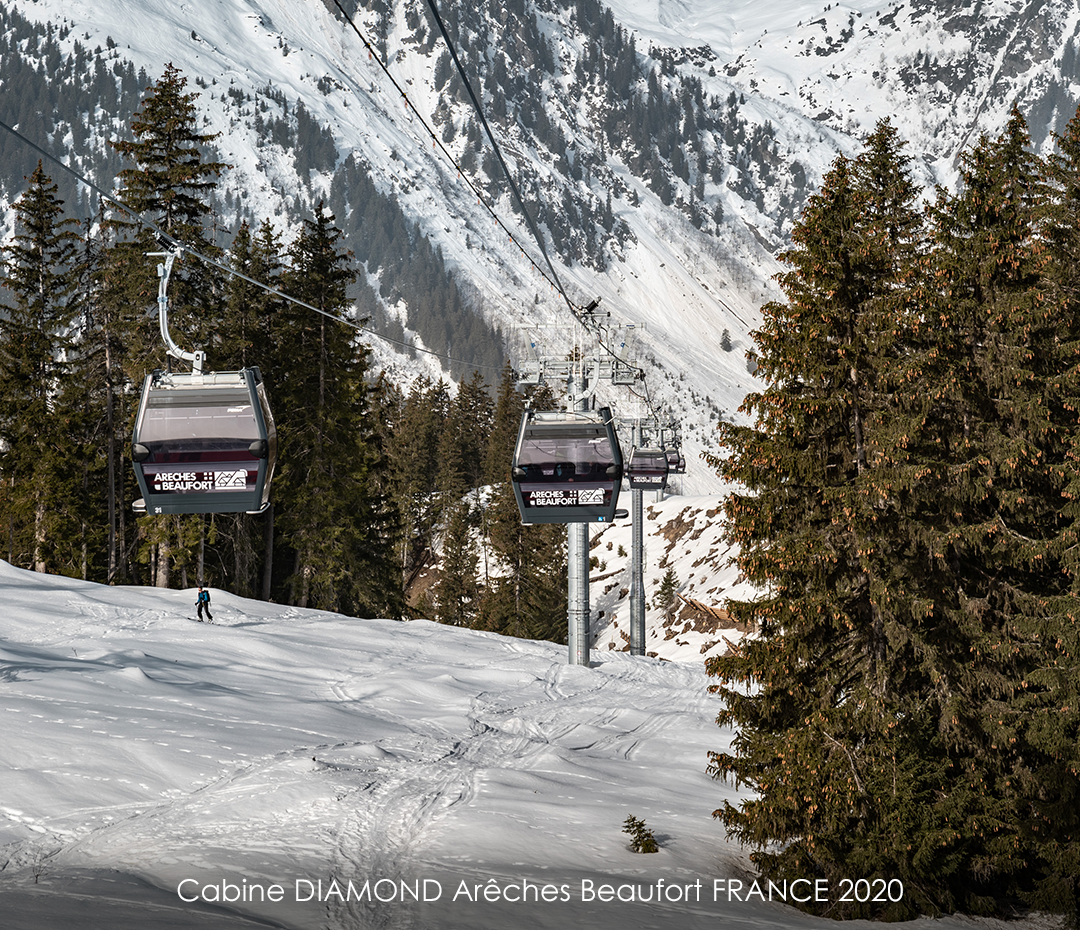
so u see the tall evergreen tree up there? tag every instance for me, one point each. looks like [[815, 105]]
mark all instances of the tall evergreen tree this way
[[1053, 728], [983, 476], [525, 594], [245, 339], [988, 467], [413, 455], [169, 184], [338, 530], [40, 275], [832, 738], [457, 592], [82, 541], [907, 523]]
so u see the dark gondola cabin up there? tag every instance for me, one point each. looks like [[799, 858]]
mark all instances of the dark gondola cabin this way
[[567, 467], [676, 462], [648, 469], [204, 443]]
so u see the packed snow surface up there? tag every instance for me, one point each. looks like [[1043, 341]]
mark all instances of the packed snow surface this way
[[279, 752]]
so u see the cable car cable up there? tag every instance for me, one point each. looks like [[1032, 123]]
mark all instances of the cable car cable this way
[[498, 154], [556, 284]]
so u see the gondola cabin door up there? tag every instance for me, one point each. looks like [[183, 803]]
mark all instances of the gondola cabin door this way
[[567, 467], [204, 443]]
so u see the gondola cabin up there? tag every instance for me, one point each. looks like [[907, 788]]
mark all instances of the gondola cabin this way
[[676, 462], [648, 470], [567, 467], [204, 443]]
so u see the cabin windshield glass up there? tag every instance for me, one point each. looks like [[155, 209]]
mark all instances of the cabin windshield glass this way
[[548, 457], [648, 462], [178, 416]]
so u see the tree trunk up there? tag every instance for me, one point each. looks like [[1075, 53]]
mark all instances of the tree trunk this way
[[39, 534]]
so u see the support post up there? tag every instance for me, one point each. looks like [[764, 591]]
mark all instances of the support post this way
[[637, 584], [577, 567], [577, 554]]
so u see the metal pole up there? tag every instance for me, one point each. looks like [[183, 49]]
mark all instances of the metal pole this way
[[577, 567], [577, 554], [637, 585]]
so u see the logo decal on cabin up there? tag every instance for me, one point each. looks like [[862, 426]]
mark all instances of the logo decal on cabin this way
[[230, 480]]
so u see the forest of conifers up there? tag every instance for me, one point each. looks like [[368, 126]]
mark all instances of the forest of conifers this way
[[911, 520], [367, 474]]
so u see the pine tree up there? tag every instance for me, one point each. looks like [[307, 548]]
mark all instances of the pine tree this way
[[831, 738], [171, 181], [337, 528], [40, 275]]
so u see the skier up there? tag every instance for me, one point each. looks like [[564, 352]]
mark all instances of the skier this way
[[204, 601]]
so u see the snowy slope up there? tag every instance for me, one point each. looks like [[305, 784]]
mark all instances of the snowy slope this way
[[147, 757], [681, 533], [944, 71]]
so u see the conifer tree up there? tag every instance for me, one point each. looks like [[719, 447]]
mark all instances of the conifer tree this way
[[245, 339], [466, 436], [982, 475], [39, 273], [666, 593], [338, 529], [1053, 728], [505, 422], [457, 591], [169, 184], [413, 454], [82, 542], [526, 595], [919, 621], [830, 739]]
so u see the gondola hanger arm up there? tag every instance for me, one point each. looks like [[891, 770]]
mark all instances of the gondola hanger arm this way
[[164, 270]]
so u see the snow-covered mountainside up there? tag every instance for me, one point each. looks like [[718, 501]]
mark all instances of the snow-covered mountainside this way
[[665, 148], [681, 535], [162, 773]]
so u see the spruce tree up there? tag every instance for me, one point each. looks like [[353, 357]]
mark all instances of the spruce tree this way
[[245, 339], [982, 477], [526, 593], [338, 529], [909, 523], [40, 274], [457, 591], [82, 543], [830, 737], [1053, 728], [170, 184]]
